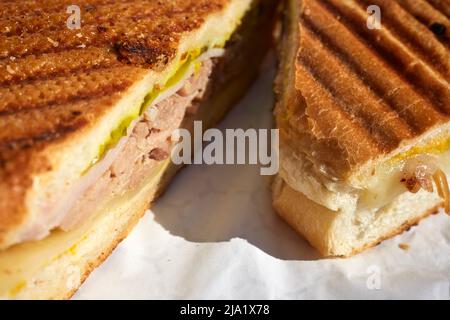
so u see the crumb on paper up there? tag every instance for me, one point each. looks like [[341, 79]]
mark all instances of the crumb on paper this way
[[404, 246]]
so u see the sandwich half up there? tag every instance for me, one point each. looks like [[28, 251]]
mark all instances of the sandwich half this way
[[364, 120], [88, 115]]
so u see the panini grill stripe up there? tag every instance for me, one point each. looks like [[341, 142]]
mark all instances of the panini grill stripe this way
[[59, 41], [27, 124], [389, 89], [418, 38], [429, 16], [9, 149], [172, 21], [44, 67], [20, 7], [442, 6], [423, 12], [69, 88], [384, 125], [333, 112], [103, 16], [418, 74]]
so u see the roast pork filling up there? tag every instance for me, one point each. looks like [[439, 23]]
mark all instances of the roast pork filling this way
[[150, 143]]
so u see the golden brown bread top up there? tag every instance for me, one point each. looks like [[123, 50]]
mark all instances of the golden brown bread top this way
[[362, 92], [55, 81]]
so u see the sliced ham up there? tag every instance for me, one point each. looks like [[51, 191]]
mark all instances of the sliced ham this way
[[148, 144]]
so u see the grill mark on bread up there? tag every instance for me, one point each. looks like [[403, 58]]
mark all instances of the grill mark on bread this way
[[30, 23], [137, 52], [403, 24], [369, 75], [66, 89], [19, 144], [361, 105], [332, 113], [442, 6], [428, 15], [173, 21], [36, 8], [32, 122], [359, 71], [415, 72], [423, 11], [60, 41], [35, 79], [86, 97], [48, 66], [47, 136]]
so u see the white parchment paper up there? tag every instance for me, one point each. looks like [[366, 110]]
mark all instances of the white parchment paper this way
[[214, 235]]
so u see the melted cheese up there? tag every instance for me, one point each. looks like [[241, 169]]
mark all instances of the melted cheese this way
[[437, 146], [386, 184]]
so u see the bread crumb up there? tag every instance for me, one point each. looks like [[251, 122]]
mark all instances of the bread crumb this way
[[53, 42], [10, 70], [404, 246]]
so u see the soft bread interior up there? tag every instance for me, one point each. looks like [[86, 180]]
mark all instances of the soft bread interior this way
[[348, 231]]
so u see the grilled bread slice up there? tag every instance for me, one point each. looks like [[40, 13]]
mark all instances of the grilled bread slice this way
[[364, 120], [66, 92]]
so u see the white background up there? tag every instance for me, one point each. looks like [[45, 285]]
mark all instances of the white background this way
[[214, 235]]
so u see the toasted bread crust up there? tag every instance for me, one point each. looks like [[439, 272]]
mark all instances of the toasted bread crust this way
[[357, 94], [56, 83]]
